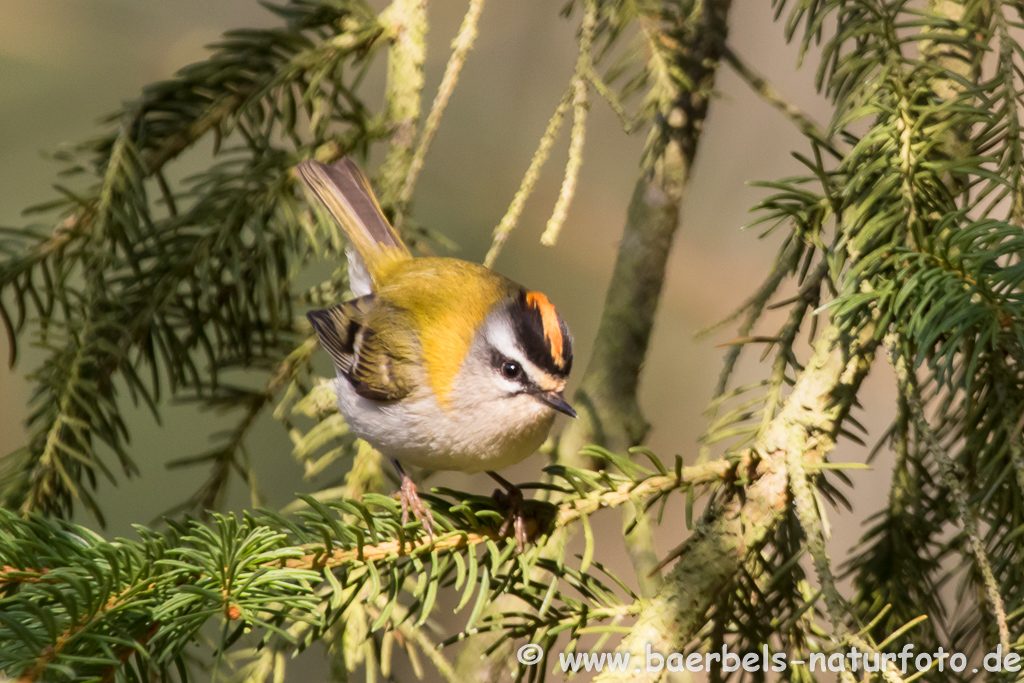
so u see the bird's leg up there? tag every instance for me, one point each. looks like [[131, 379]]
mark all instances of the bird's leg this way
[[513, 498], [411, 501]]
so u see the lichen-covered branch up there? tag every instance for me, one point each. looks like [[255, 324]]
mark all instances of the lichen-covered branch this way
[[511, 218], [951, 477], [742, 520], [407, 24]]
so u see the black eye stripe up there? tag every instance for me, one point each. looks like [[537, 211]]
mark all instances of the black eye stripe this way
[[499, 361]]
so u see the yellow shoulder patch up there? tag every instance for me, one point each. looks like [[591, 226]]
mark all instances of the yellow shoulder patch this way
[[447, 300]]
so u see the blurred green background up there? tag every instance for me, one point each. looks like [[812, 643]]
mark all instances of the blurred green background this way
[[64, 63]]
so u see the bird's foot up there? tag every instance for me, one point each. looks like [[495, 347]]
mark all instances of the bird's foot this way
[[511, 497], [410, 499]]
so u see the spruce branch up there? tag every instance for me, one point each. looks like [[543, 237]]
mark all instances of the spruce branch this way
[[951, 479], [742, 520], [910, 232], [272, 573], [196, 306], [62, 450], [602, 496]]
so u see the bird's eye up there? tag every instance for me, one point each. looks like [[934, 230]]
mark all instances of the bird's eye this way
[[511, 370]]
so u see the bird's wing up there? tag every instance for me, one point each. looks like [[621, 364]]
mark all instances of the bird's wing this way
[[374, 351]]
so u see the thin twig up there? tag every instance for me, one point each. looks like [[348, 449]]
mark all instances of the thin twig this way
[[568, 513], [461, 46], [769, 94], [579, 129], [948, 471], [809, 515], [511, 218], [630, 123]]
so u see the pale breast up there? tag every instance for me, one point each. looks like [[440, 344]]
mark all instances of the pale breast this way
[[417, 431]]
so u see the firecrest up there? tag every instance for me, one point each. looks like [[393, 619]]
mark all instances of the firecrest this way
[[441, 363]]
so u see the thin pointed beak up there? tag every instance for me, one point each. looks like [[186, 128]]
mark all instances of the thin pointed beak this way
[[556, 401]]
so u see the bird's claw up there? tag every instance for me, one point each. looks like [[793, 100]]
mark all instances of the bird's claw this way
[[516, 517], [410, 499]]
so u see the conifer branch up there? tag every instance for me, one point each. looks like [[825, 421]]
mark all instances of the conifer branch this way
[[253, 571], [196, 300], [951, 478], [809, 513], [911, 233], [565, 514], [742, 520]]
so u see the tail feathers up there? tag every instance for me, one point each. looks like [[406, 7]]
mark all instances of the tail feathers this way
[[346, 193]]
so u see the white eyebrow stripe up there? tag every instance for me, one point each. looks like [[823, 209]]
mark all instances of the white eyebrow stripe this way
[[499, 335]]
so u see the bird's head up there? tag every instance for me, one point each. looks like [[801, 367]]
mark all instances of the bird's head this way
[[521, 358]]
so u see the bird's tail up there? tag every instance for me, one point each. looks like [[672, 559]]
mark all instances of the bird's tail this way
[[346, 193]]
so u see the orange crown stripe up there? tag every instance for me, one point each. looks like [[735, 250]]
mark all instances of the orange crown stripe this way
[[552, 327]]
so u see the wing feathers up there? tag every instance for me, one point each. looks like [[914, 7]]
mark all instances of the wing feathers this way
[[332, 326], [376, 368]]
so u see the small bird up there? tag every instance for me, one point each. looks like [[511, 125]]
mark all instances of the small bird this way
[[441, 363]]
